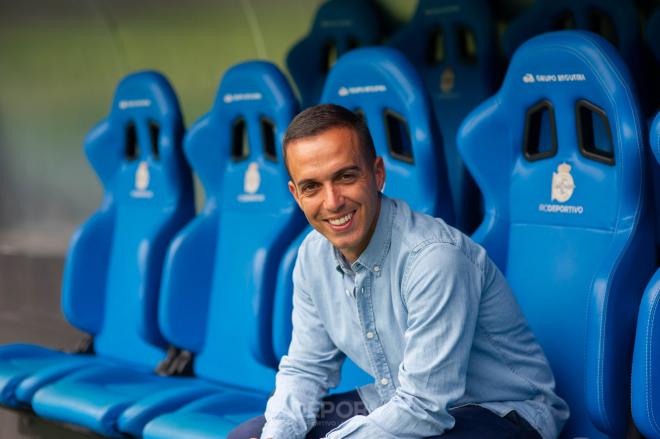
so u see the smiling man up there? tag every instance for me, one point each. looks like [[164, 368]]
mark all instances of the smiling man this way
[[411, 300]]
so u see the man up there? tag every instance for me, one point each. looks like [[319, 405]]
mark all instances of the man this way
[[409, 299]]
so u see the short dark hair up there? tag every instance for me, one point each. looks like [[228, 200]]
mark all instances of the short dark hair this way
[[320, 118]]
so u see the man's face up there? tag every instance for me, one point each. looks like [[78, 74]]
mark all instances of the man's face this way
[[336, 188]]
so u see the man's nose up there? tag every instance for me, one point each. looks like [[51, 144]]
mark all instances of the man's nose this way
[[334, 199]]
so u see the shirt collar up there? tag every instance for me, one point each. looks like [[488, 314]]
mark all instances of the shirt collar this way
[[373, 256]]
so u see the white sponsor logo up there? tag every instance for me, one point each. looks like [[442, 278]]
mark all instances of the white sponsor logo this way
[[561, 208], [345, 91], [442, 10], [236, 97], [142, 179], [336, 23], [137, 103], [562, 189], [528, 78], [251, 198], [251, 183]]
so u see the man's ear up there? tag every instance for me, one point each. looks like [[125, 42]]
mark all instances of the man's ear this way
[[294, 192], [379, 172]]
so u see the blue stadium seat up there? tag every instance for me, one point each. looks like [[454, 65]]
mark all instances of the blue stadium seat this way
[[383, 86], [113, 267], [339, 26], [453, 45], [558, 153], [615, 20], [218, 283], [646, 357]]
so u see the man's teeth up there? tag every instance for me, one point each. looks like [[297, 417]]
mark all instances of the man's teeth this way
[[342, 220]]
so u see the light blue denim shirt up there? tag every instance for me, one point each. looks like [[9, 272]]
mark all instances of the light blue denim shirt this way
[[426, 313]]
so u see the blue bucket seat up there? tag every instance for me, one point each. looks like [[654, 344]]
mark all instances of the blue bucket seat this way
[[339, 26], [220, 275], [453, 46], [113, 266], [558, 154]]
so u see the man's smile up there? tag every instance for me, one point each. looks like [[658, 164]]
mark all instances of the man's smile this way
[[339, 223]]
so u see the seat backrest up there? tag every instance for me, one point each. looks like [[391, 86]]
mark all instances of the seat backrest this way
[[236, 149], [558, 154], [646, 357], [615, 20], [339, 26], [113, 269], [382, 86], [453, 45]]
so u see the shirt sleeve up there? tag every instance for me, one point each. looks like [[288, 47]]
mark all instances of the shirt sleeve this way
[[441, 289], [305, 374]]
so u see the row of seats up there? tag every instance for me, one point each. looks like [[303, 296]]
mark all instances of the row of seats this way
[[454, 47], [558, 153]]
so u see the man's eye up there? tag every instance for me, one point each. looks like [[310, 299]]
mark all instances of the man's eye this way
[[308, 188], [347, 177]]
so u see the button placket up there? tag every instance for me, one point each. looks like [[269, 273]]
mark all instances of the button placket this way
[[374, 348]]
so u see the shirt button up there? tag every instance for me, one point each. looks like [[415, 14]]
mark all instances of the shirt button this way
[[376, 268], [384, 381], [370, 335]]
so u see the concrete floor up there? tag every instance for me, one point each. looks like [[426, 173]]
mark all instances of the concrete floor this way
[[30, 313]]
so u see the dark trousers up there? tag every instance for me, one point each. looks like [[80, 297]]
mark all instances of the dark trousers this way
[[471, 421]]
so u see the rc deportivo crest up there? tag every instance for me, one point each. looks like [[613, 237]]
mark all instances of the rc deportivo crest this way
[[562, 183], [447, 80], [252, 179], [142, 176]]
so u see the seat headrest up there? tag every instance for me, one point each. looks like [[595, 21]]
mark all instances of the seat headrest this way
[[654, 137], [382, 85], [569, 138], [136, 150], [617, 21], [449, 33], [339, 26], [252, 110]]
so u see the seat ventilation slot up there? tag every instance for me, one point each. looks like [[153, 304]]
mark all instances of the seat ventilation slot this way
[[329, 55], [435, 47], [602, 24], [154, 134], [467, 44], [268, 138], [398, 137], [540, 137], [594, 134], [240, 148], [132, 147]]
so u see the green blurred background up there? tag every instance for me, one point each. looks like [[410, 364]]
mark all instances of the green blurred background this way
[[60, 61]]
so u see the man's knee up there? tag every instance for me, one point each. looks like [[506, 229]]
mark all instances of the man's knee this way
[[248, 429]]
